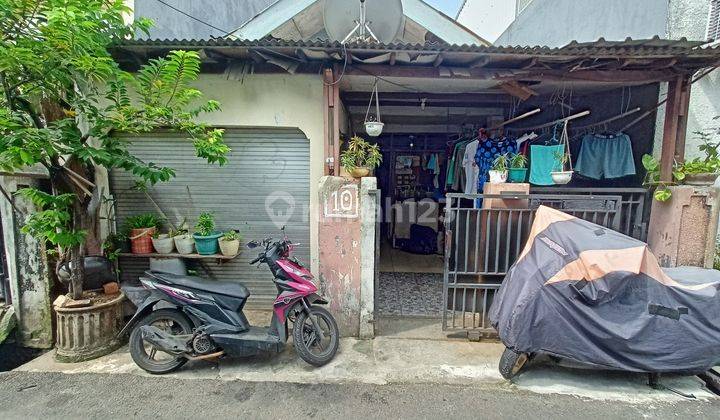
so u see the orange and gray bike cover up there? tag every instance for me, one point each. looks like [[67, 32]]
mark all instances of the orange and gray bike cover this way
[[595, 296]]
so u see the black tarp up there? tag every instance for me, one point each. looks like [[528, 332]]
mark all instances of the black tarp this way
[[589, 294]]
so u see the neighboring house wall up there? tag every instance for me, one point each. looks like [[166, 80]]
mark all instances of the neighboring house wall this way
[[225, 15], [557, 22], [487, 18], [688, 18]]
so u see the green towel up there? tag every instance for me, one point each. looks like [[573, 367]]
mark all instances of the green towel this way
[[543, 160]]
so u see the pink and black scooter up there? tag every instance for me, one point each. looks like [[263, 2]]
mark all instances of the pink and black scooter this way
[[206, 320]]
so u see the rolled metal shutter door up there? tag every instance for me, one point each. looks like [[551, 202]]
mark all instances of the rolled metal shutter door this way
[[265, 167]]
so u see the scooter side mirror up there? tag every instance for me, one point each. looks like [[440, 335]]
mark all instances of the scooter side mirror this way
[[253, 244]]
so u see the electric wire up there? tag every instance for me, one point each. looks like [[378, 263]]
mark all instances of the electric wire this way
[[193, 17]]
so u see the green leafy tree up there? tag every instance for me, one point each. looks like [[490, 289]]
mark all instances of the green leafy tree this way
[[63, 99]]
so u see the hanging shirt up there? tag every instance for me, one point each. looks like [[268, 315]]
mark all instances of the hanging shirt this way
[[488, 150], [471, 169]]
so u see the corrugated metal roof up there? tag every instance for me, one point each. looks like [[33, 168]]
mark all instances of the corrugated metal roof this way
[[640, 47]]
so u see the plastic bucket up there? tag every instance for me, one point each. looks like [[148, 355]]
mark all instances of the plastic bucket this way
[[207, 245]]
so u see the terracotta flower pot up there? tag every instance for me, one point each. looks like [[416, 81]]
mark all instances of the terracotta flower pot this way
[[229, 248], [141, 240]]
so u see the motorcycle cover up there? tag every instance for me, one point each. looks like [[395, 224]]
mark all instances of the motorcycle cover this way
[[586, 293]]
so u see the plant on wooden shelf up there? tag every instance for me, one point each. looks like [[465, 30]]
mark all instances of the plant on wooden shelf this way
[[184, 242], [141, 229], [163, 242], [230, 243], [360, 157], [206, 237], [518, 168], [498, 173], [700, 171]]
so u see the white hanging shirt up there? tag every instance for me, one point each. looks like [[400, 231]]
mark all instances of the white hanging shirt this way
[[471, 169]]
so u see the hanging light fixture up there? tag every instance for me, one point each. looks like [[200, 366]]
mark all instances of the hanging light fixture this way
[[373, 127]]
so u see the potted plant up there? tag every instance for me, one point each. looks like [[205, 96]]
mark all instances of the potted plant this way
[[230, 243], [560, 176], [499, 172], [163, 243], [360, 157], [206, 237], [114, 244], [141, 228], [701, 171], [184, 242], [518, 168]]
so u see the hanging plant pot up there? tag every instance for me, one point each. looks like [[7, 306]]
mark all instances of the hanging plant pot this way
[[498, 177], [561, 177], [374, 128]]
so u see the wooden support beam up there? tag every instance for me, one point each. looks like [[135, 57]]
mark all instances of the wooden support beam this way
[[670, 128], [682, 120], [438, 60]]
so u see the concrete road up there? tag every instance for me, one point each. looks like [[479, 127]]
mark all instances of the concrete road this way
[[26, 395]]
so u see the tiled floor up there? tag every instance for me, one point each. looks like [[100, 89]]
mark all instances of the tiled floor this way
[[410, 294], [395, 260]]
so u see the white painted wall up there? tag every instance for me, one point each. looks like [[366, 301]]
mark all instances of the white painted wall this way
[[487, 18], [688, 18], [557, 22]]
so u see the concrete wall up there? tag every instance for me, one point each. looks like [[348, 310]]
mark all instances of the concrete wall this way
[[347, 252], [557, 22], [487, 18], [27, 269]]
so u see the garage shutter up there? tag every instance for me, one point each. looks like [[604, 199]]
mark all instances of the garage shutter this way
[[262, 163]]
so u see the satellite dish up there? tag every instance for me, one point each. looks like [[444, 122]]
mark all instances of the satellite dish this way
[[363, 20]]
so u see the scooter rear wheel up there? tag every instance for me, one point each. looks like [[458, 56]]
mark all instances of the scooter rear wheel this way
[[144, 355], [307, 346]]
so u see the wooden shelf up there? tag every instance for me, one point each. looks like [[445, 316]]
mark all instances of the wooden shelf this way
[[194, 256]]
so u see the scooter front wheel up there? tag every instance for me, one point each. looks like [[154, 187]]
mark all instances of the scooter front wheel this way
[[511, 362], [315, 350]]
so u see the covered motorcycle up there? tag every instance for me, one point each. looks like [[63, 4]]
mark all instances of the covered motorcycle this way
[[589, 294]]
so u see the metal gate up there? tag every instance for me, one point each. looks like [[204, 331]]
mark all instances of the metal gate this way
[[266, 183], [482, 243]]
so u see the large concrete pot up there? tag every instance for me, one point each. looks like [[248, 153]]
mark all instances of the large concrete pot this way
[[90, 332]]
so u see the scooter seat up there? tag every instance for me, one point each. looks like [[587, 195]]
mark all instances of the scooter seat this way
[[229, 288]]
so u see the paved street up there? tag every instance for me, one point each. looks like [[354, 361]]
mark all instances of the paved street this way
[[26, 395]]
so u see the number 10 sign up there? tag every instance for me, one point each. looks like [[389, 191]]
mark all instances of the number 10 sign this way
[[342, 202]]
